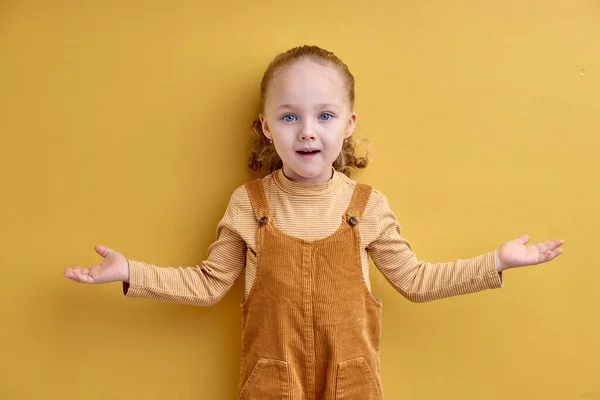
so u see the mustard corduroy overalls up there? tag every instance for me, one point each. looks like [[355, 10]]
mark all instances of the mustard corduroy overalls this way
[[310, 325]]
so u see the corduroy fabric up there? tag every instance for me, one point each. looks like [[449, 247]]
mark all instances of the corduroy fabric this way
[[310, 212], [310, 326]]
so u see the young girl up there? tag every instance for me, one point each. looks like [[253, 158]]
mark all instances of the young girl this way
[[311, 326]]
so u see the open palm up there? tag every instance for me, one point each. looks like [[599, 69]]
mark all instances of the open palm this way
[[113, 268], [514, 253]]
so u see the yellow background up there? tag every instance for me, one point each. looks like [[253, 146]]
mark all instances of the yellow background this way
[[126, 124]]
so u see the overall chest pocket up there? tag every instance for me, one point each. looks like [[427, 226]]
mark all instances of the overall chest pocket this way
[[355, 381], [267, 381]]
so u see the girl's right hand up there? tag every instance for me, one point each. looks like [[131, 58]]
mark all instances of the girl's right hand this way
[[113, 268]]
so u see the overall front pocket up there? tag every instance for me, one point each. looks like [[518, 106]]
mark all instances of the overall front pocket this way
[[267, 381], [355, 381]]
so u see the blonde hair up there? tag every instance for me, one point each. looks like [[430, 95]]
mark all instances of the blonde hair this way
[[263, 151]]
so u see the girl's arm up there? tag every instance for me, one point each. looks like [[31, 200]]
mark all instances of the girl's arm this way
[[201, 285], [421, 281]]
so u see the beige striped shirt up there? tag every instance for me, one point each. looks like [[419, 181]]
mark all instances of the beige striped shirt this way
[[310, 212]]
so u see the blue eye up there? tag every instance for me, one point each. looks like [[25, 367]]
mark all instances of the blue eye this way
[[329, 116], [286, 119]]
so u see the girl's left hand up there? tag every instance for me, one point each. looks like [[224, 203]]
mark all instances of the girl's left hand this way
[[514, 253]]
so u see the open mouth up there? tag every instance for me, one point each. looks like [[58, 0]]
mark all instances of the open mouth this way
[[308, 152]]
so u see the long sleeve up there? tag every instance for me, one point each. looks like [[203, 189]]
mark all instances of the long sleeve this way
[[421, 281], [201, 285]]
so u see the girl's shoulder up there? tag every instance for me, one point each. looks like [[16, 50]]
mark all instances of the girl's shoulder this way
[[240, 197], [376, 197]]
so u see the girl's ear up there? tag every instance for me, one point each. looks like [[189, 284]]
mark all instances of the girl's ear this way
[[265, 126], [351, 125]]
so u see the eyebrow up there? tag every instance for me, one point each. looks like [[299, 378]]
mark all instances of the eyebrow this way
[[322, 105]]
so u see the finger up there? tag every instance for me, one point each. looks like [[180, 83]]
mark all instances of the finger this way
[[557, 253], [102, 250], [524, 239], [79, 276], [548, 245], [68, 272], [554, 242], [79, 270], [75, 274], [549, 255]]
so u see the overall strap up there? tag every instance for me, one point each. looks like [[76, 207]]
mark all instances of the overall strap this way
[[359, 201], [259, 200]]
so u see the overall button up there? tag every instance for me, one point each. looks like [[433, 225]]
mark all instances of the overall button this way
[[263, 220], [353, 221]]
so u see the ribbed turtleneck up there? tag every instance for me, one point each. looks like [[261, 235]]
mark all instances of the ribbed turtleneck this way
[[306, 189]]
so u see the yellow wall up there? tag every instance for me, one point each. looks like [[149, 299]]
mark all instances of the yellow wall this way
[[124, 123]]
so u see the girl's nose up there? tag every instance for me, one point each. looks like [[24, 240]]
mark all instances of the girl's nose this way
[[307, 132]]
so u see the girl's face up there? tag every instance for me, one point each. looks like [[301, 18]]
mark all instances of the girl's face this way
[[307, 116]]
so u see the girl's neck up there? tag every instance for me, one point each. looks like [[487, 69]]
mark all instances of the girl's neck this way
[[292, 187], [326, 177]]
